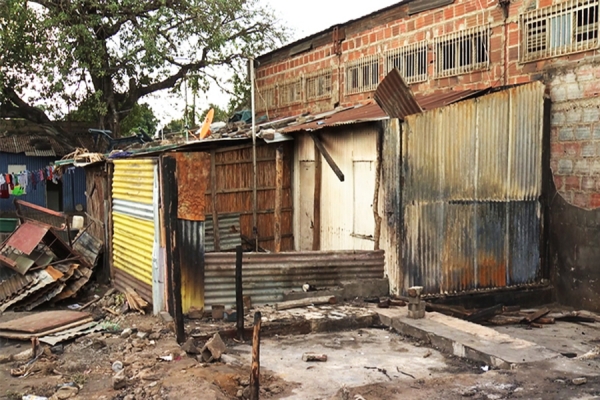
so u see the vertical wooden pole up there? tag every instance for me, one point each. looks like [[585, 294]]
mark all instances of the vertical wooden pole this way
[[278, 197], [239, 295], [255, 371], [169, 166], [213, 197], [317, 202]]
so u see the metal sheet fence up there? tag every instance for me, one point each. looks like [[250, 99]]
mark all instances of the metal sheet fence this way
[[473, 178], [266, 276]]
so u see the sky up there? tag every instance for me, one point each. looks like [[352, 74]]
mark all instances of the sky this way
[[303, 17]]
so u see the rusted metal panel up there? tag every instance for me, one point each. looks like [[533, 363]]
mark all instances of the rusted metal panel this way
[[27, 236], [363, 113], [395, 97], [438, 100], [190, 244], [471, 214], [16, 284], [44, 321], [193, 171], [266, 276]]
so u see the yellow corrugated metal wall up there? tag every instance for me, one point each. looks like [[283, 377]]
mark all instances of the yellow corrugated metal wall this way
[[133, 223]]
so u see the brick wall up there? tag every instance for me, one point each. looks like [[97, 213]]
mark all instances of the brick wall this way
[[573, 81]]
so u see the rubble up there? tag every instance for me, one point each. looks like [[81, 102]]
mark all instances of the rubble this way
[[213, 349]]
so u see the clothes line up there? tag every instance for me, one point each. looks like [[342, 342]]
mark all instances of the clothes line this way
[[17, 184]]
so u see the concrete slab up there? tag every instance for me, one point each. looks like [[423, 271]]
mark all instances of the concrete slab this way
[[465, 339], [356, 358]]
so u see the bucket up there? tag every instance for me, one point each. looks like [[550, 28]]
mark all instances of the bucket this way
[[77, 223]]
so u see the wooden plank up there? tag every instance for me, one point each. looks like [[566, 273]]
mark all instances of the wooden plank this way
[[213, 197], [239, 294], [327, 156], [447, 310], [255, 368], [278, 197], [537, 314], [286, 305], [483, 314], [317, 202]]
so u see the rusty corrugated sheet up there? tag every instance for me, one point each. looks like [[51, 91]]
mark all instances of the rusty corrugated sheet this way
[[437, 100], [27, 236], [363, 113], [193, 170], [395, 97], [122, 280], [229, 233], [44, 321], [472, 219], [16, 284], [266, 276]]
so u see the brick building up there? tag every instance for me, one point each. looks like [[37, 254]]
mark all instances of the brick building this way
[[459, 45]]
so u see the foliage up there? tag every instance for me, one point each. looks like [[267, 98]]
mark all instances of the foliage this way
[[140, 117], [221, 115], [109, 54]]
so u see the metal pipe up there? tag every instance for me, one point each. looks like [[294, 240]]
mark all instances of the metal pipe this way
[[254, 175]]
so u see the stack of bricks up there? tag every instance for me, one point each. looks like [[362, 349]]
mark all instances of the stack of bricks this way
[[416, 306]]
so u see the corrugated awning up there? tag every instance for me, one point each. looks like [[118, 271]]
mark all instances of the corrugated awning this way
[[363, 113]]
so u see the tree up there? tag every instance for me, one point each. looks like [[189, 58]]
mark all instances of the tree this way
[[112, 53], [220, 115]]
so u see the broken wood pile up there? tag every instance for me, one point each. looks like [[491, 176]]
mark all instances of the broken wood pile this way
[[500, 315], [37, 266]]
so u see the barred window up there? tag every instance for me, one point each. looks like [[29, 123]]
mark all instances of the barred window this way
[[290, 93], [411, 60], [362, 75], [266, 99], [560, 29], [319, 85], [462, 52]]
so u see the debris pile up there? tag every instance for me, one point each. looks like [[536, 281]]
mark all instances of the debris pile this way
[[39, 265], [500, 315]]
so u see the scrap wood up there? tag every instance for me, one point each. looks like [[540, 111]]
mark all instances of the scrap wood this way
[[457, 312], [573, 316], [502, 320], [537, 314], [108, 293], [286, 305], [135, 301], [545, 321], [311, 357], [486, 313], [509, 309], [110, 311]]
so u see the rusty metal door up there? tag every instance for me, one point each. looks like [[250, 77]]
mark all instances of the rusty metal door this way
[[472, 184]]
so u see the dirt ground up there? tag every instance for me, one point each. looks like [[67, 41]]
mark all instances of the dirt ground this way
[[363, 364]]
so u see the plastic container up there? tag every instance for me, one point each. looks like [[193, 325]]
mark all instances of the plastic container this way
[[77, 223], [8, 225]]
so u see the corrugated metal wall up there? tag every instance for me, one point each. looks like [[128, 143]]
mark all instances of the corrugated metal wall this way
[[73, 187], [266, 276], [134, 230], [473, 177]]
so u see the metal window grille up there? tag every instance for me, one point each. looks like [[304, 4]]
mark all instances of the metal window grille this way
[[266, 99], [319, 86], [290, 92], [411, 60], [362, 75], [461, 52], [560, 29]]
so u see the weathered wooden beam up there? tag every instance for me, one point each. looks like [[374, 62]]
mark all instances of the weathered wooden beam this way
[[327, 156], [239, 295], [286, 305], [278, 197], [537, 314], [255, 369], [317, 202]]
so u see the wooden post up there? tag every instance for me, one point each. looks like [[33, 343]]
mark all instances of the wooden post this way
[[239, 295], [173, 257], [278, 197], [317, 201], [213, 198], [255, 371]]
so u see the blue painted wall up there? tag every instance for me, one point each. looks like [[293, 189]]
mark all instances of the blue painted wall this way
[[73, 184]]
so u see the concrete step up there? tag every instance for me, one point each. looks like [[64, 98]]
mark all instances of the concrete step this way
[[465, 339]]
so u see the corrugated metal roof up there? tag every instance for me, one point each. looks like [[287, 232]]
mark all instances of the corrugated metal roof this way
[[395, 97], [359, 114], [437, 100]]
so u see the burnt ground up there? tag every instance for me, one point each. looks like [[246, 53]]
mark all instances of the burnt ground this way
[[354, 370]]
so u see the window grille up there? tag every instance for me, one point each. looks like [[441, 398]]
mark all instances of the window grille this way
[[461, 52], [265, 99], [290, 93], [563, 28], [362, 75], [411, 60], [318, 86]]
